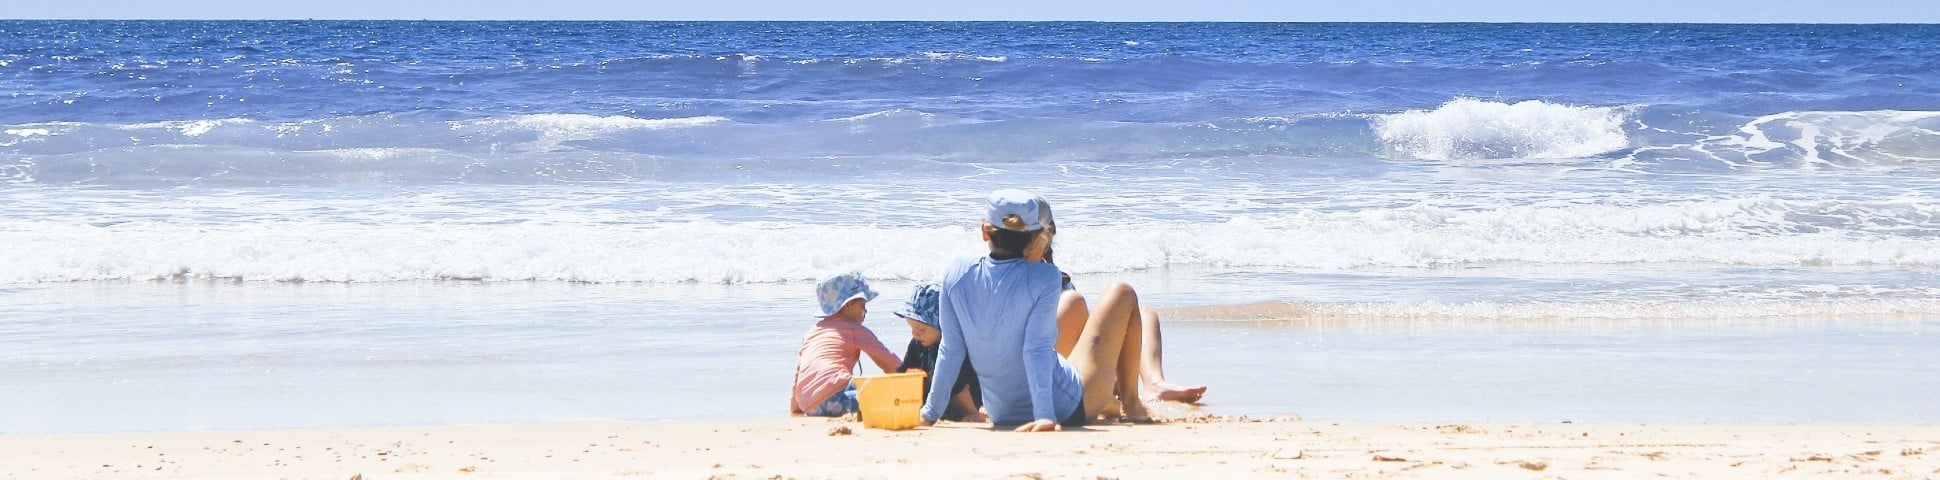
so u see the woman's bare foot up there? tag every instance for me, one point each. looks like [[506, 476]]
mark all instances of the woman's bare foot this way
[[1176, 393], [1113, 409], [1129, 412], [1135, 412]]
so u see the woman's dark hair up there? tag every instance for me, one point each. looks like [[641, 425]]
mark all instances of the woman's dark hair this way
[[1008, 244], [1053, 229]]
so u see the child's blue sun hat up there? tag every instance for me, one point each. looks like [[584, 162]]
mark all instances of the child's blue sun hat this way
[[837, 290], [921, 305]]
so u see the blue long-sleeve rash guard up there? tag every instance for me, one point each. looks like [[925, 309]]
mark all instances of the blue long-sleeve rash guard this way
[[1003, 314]]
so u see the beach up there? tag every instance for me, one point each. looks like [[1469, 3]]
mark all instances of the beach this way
[[395, 249], [1277, 447]]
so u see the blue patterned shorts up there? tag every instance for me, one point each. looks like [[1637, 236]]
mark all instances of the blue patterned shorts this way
[[839, 404]]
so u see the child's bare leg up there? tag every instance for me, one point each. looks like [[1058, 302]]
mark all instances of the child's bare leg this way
[[1071, 321], [1102, 358], [1153, 369], [968, 406]]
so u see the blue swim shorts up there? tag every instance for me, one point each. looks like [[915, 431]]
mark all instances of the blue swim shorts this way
[[839, 404]]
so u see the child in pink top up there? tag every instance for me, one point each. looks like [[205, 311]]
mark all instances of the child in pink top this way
[[823, 385]]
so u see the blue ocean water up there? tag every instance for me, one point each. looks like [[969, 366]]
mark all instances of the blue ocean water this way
[[165, 181]]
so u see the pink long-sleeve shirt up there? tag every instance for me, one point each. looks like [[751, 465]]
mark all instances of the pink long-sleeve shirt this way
[[829, 353]]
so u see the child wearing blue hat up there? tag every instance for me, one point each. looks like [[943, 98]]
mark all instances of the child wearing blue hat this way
[[966, 396], [824, 383]]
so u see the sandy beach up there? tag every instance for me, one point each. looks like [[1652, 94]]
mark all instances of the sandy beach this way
[[824, 448]]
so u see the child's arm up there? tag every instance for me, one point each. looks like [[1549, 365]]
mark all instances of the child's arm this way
[[866, 339], [909, 359], [950, 355]]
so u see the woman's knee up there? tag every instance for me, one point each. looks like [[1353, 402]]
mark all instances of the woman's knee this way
[[1120, 292], [1071, 301], [1071, 307]]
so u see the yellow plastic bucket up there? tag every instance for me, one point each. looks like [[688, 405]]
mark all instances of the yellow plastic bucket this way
[[891, 402]]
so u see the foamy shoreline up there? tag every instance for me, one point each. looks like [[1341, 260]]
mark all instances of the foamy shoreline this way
[[815, 448]]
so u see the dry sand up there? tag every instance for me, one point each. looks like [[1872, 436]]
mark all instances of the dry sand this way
[[813, 447]]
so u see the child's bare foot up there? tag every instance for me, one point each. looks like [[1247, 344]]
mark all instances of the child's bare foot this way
[[1176, 393]]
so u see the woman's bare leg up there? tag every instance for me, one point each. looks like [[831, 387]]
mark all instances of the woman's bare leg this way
[[1106, 353], [1072, 314], [1152, 370]]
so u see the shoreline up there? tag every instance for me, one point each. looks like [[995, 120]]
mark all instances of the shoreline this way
[[819, 447]]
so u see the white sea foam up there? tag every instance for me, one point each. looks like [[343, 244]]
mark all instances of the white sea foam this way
[[963, 56], [888, 114], [553, 130], [1876, 138], [376, 154], [191, 128], [578, 126], [1427, 237], [544, 242], [1468, 128], [613, 147], [29, 132], [347, 252], [25, 135]]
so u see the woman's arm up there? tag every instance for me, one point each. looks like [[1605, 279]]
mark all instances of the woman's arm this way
[[1040, 354]]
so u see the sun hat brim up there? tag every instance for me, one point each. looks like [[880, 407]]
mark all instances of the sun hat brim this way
[[912, 316], [865, 295]]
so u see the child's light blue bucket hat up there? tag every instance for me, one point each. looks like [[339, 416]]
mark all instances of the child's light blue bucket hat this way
[[837, 290]]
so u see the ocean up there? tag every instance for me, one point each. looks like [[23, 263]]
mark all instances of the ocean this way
[[295, 224]]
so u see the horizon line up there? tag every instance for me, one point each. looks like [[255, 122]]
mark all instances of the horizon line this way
[[1485, 22]]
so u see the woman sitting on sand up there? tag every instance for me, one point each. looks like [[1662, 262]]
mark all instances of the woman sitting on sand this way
[[1001, 311]]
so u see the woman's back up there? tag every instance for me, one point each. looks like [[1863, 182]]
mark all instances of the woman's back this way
[[1002, 314]]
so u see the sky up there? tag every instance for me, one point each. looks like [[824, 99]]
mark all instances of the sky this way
[[1704, 11]]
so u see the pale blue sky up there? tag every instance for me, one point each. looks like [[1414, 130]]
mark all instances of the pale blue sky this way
[[1728, 11]]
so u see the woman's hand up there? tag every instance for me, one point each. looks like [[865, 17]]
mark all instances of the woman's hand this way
[[1040, 426]]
